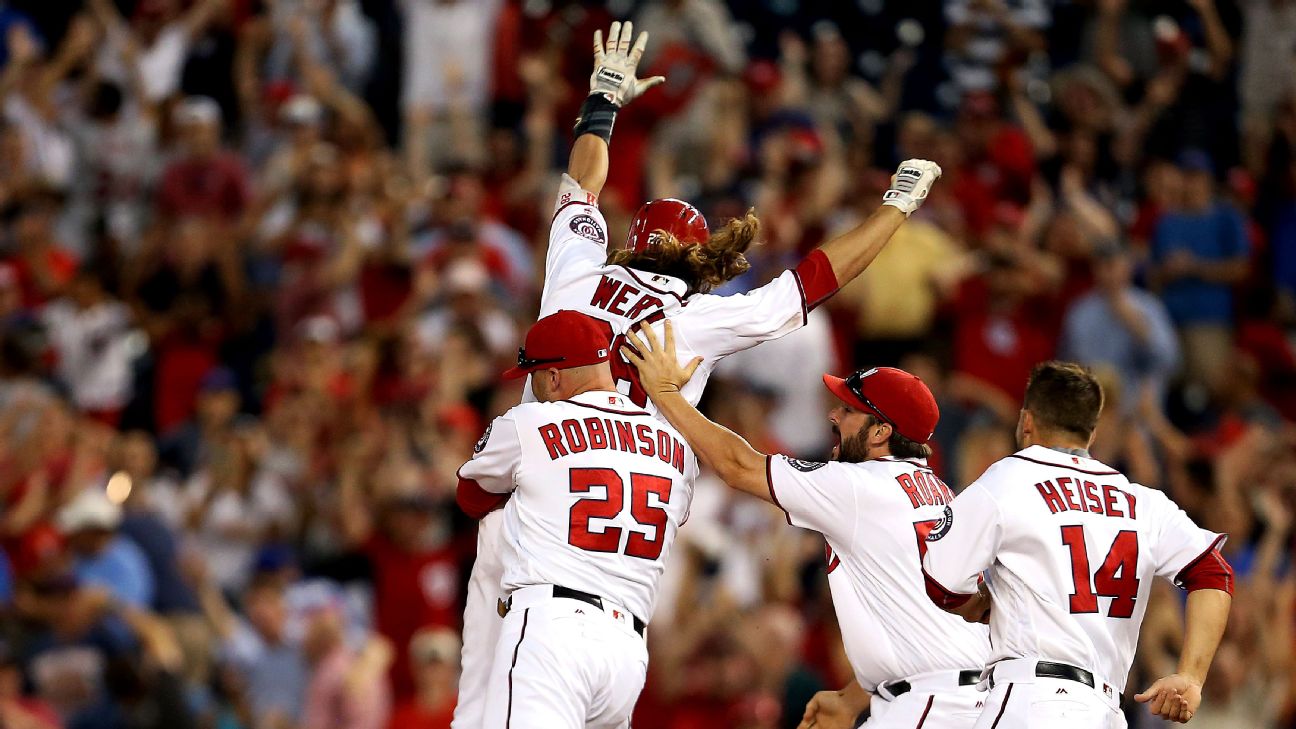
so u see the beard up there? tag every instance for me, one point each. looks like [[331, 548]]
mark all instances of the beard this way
[[852, 449]]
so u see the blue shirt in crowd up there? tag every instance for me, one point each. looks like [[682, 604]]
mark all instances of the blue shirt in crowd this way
[[1217, 235], [158, 544], [6, 580], [122, 569], [1282, 242], [1094, 335], [276, 673]]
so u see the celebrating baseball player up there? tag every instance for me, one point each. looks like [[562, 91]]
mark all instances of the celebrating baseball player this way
[[671, 259], [874, 505], [1071, 547], [596, 489]]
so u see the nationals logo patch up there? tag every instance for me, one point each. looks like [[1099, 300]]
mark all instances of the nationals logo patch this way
[[805, 466], [481, 442], [942, 527], [587, 227]]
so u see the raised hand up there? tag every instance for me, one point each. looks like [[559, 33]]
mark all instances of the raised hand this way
[[910, 184], [615, 64]]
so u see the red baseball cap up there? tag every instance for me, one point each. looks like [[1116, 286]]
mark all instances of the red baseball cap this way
[[894, 396], [560, 341]]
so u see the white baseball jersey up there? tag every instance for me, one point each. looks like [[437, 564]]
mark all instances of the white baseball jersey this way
[[599, 488], [1071, 547], [874, 516], [708, 326]]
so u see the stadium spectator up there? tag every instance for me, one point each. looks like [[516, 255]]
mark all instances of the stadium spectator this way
[[434, 656], [1141, 346], [90, 334], [101, 557], [1198, 253], [204, 180]]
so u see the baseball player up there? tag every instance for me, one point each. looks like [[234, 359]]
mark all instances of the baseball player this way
[[596, 489], [1071, 547], [874, 504], [671, 259]]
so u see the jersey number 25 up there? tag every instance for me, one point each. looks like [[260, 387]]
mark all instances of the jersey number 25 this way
[[642, 485]]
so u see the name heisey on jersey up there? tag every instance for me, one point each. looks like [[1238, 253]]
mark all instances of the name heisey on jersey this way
[[1072, 494], [597, 434]]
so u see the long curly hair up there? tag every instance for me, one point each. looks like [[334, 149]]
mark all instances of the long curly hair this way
[[702, 267]]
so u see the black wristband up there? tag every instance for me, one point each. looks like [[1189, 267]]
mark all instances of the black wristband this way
[[597, 115]]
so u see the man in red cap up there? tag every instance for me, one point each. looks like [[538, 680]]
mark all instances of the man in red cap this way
[[593, 490], [671, 258], [875, 505]]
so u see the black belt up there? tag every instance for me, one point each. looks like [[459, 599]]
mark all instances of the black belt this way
[[1049, 669], [970, 677], [1067, 672], [570, 594]]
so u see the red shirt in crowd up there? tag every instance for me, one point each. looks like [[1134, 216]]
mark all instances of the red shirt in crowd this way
[[999, 344], [412, 590], [202, 187], [60, 264], [411, 715]]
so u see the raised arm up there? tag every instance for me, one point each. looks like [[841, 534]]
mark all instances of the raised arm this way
[[732, 458], [612, 85], [851, 252]]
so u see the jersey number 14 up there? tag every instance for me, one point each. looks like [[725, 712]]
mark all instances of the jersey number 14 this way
[[1116, 578], [642, 485]]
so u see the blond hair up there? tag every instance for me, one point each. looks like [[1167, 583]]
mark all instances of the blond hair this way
[[702, 267]]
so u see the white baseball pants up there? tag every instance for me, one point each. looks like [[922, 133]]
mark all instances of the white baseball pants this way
[[951, 708], [481, 623], [564, 664], [1021, 700]]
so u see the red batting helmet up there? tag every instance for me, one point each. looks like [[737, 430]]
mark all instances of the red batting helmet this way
[[676, 217]]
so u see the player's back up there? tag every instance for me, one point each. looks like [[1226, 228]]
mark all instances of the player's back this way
[[601, 489], [577, 277], [1078, 549], [875, 516]]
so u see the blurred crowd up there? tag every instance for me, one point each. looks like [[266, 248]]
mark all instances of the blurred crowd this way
[[262, 261]]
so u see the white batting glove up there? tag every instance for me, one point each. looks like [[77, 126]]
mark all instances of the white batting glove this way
[[910, 184], [614, 66]]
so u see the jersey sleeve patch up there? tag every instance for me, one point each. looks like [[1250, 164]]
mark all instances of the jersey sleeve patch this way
[[805, 466], [942, 527], [485, 437], [586, 226]]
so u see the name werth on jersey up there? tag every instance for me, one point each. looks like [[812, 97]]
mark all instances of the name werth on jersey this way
[[596, 434], [614, 297]]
